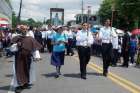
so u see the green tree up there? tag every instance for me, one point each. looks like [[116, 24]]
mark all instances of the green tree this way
[[14, 19], [48, 21], [130, 11], [105, 10], [31, 22], [126, 14]]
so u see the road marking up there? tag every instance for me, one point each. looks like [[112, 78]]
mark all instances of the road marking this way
[[117, 79], [11, 92]]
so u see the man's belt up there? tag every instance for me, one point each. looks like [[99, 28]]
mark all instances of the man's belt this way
[[84, 46]]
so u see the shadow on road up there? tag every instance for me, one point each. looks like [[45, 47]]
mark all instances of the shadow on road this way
[[5, 87], [9, 75], [72, 75], [77, 75], [95, 74], [49, 75]]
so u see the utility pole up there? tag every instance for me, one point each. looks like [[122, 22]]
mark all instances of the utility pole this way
[[19, 14], [82, 10], [88, 12], [112, 15]]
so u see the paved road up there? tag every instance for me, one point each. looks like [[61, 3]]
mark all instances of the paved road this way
[[70, 81], [131, 73]]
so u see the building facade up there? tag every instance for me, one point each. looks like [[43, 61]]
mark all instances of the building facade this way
[[89, 18], [5, 11]]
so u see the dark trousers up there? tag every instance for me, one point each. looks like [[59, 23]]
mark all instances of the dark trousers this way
[[84, 57], [49, 45], [125, 58], [98, 50], [115, 57], [69, 47], [106, 54], [132, 56], [43, 44]]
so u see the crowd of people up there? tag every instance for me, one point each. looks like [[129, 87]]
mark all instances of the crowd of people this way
[[26, 43]]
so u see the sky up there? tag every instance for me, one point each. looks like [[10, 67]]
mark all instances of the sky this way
[[40, 9]]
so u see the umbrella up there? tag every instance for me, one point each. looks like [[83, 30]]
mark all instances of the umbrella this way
[[136, 31]]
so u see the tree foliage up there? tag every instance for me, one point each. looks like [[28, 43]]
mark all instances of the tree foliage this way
[[105, 10], [29, 22], [48, 21], [126, 14], [14, 19]]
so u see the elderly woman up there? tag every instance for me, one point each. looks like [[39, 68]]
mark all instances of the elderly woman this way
[[57, 59]]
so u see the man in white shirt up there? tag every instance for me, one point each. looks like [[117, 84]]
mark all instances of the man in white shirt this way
[[115, 44], [49, 35], [30, 32], [70, 36], [105, 35], [43, 32], [84, 40]]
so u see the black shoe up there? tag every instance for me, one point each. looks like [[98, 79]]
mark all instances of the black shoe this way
[[125, 66], [18, 89], [72, 54], [26, 86], [105, 74], [59, 73], [83, 77], [67, 55], [114, 65], [56, 76]]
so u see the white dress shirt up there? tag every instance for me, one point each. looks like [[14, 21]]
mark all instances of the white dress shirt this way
[[49, 34], [30, 33], [115, 40], [105, 34], [43, 34], [70, 34], [84, 38]]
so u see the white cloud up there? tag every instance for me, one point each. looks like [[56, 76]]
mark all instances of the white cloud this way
[[38, 9]]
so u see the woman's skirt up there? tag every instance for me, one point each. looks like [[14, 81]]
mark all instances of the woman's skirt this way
[[57, 58]]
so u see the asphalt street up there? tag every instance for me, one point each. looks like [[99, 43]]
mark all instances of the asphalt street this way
[[69, 81]]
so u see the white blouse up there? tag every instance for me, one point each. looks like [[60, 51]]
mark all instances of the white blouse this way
[[84, 38]]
